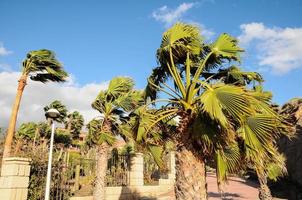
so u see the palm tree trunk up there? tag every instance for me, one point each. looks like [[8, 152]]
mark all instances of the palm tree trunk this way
[[264, 191], [13, 118], [190, 175], [100, 182]]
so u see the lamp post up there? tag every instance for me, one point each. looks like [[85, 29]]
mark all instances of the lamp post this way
[[52, 114]]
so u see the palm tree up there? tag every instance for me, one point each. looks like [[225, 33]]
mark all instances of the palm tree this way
[[26, 132], [113, 103], [59, 107], [137, 133], [215, 103], [74, 123], [42, 66]]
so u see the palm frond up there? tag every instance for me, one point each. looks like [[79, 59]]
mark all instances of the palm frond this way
[[96, 134], [228, 161], [43, 66], [60, 107], [276, 167], [221, 100], [158, 76], [233, 75], [263, 126], [119, 86], [157, 154], [226, 47], [130, 100], [182, 38]]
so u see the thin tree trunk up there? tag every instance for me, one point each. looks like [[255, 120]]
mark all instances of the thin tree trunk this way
[[100, 182], [190, 176], [35, 138], [60, 154], [18, 147], [264, 191], [69, 124], [13, 118]]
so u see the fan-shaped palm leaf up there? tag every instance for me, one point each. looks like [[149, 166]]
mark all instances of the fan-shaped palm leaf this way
[[180, 39], [228, 160], [226, 47], [221, 100], [119, 86]]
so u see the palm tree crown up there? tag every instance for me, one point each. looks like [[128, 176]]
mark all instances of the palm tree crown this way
[[43, 66]]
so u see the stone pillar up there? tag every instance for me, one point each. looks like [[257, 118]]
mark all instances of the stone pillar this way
[[77, 178], [14, 178], [137, 170], [172, 170]]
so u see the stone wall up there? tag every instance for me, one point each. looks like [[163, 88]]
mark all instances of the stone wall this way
[[15, 172], [293, 148], [14, 178]]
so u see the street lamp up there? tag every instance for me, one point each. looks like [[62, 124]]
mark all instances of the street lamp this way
[[50, 114]]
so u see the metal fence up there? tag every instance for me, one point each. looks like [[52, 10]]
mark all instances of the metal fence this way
[[76, 178], [61, 183], [118, 170]]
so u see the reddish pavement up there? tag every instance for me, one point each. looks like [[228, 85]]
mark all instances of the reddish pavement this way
[[235, 189]]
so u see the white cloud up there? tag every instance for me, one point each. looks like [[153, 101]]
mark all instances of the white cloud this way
[[36, 95], [279, 49], [169, 16], [5, 67], [3, 50]]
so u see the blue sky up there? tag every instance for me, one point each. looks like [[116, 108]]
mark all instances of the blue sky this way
[[97, 40]]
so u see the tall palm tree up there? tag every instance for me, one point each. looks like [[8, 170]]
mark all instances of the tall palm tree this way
[[113, 103], [74, 123], [42, 66], [215, 104]]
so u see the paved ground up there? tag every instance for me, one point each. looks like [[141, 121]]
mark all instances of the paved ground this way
[[236, 189]]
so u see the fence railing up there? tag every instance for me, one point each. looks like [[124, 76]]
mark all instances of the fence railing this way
[[76, 177], [61, 183], [118, 170]]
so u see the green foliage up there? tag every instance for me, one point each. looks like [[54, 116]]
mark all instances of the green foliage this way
[[44, 130], [219, 109], [127, 149], [113, 104], [43, 66], [226, 47], [234, 75], [74, 123], [221, 100], [97, 135], [119, 95], [62, 137], [60, 107], [180, 39], [27, 131]]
